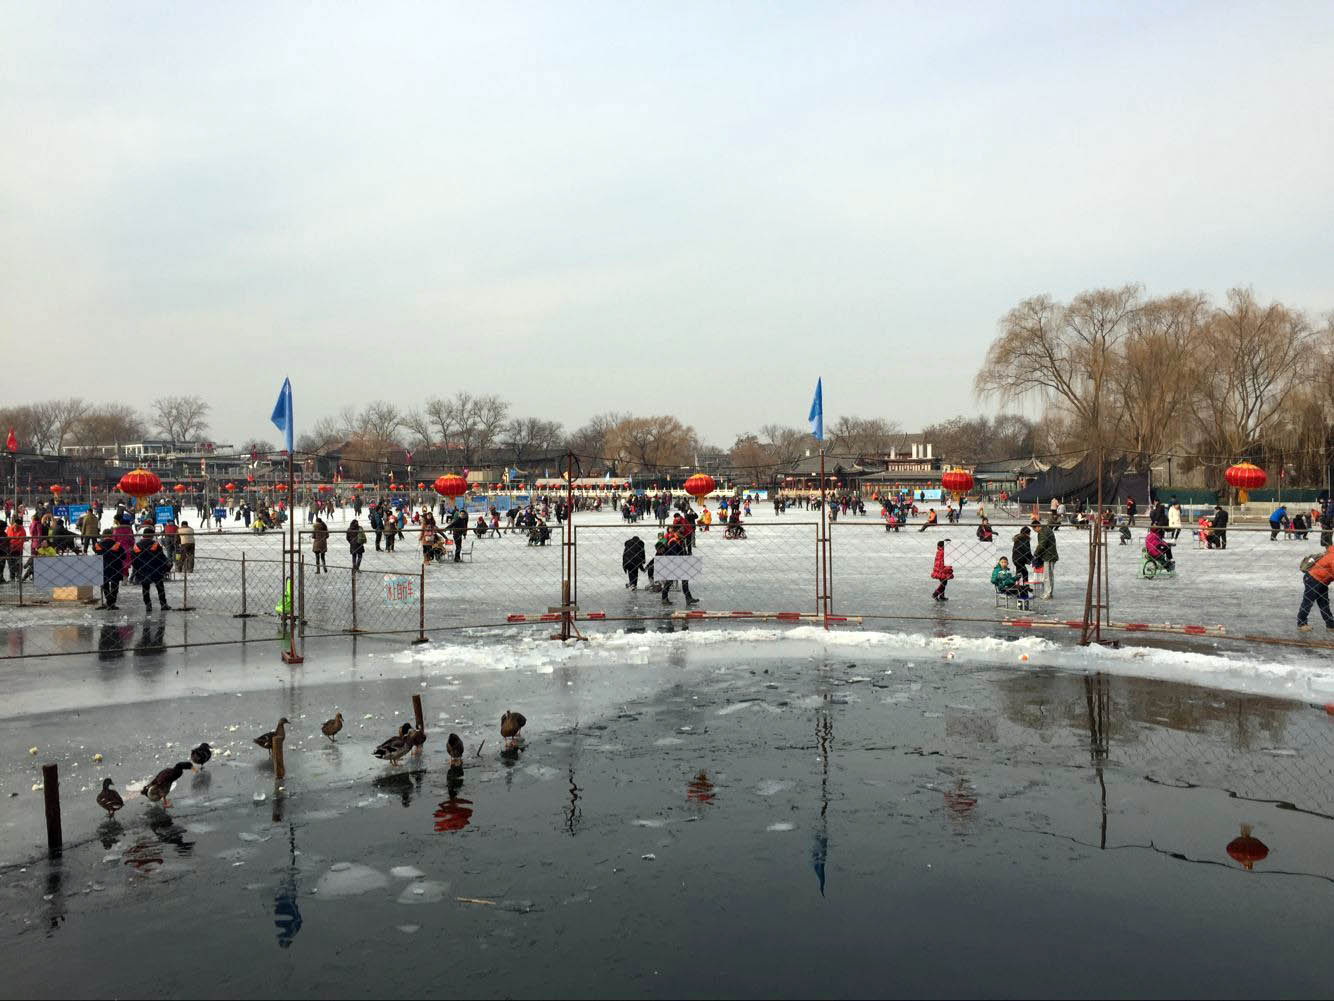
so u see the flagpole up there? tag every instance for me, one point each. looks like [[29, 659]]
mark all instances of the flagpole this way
[[290, 656], [824, 544]]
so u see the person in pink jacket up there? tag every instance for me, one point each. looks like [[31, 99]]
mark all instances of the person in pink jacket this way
[[941, 571], [123, 533], [1158, 549]]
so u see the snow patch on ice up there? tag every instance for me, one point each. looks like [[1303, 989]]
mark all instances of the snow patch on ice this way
[[350, 879]]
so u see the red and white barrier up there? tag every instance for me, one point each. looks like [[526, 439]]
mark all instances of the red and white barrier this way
[[1132, 627]]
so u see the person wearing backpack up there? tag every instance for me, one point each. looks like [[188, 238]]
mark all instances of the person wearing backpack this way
[[356, 544], [1317, 573]]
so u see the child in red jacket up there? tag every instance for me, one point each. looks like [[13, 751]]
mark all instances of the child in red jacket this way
[[941, 571]]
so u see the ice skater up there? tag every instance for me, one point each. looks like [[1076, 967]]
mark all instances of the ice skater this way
[[1317, 573], [941, 571]]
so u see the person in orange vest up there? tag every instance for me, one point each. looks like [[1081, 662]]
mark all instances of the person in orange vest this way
[[1316, 578], [930, 520]]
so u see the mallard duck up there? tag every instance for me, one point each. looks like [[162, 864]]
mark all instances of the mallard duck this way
[[330, 727], [454, 745], [396, 746], [510, 725], [416, 738], [201, 754], [108, 799], [160, 784], [265, 740]]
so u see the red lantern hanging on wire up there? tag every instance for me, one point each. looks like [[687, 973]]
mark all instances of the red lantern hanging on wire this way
[[56, 489], [179, 488], [1245, 476], [450, 485], [229, 487], [700, 485], [958, 482], [140, 484]]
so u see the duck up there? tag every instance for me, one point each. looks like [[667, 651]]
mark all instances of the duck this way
[[396, 746], [416, 738], [330, 727], [108, 799], [265, 740], [454, 745], [201, 754], [160, 784], [510, 725]]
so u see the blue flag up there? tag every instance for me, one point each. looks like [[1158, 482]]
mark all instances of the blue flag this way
[[282, 414], [816, 416]]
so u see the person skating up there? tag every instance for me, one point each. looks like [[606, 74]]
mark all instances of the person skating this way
[[674, 546], [1158, 549], [150, 568], [1218, 528], [185, 539], [1316, 578], [89, 526], [1278, 521], [356, 544], [458, 527], [1045, 555], [632, 561], [941, 571], [319, 545]]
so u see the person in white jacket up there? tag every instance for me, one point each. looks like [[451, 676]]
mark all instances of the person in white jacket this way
[[1174, 518]]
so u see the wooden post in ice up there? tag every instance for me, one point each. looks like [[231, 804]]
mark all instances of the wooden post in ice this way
[[417, 712], [276, 751], [51, 793]]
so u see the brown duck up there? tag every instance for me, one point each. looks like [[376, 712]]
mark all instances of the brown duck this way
[[396, 746], [330, 727], [265, 740], [108, 799], [160, 784], [510, 725], [454, 745]]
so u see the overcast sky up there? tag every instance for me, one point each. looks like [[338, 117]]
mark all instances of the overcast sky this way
[[693, 208]]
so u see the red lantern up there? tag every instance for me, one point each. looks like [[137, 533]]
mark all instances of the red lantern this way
[[324, 488], [700, 485], [1246, 476], [56, 488], [359, 486], [229, 487], [179, 488], [957, 481], [140, 484], [421, 486], [1246, 849], [450, 485], [281, 486]]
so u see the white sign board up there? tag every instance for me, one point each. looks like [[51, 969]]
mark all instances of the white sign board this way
[[678, 567], [66, 571], [400, 589]]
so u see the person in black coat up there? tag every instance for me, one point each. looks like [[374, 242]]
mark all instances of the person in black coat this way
[[149, 566], [458, 527], [1021, 553], [1218, 528], [632, 560], [113, 558]]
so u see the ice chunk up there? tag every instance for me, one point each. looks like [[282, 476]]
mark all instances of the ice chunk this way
[[780, 826], [349, 879], [423, 891], [406, 872], [667, 741], [650, 823], [772, 787]]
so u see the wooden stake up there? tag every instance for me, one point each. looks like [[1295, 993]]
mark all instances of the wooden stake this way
[[51, 792]]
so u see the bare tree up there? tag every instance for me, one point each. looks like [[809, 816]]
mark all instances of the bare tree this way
[[785, 444], [589, 442], [490, 415], [108, 424], [528, 438], [419, 429], [652, 443], [1254, 357], [259, 447], [858, 436], [180, 418]]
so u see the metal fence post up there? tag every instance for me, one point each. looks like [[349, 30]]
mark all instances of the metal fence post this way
[[51, 793], [243, 614], [301, 600], [354, 628], [421, 627]]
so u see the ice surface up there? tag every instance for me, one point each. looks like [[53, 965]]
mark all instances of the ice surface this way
[[772, 787], [423, 891]]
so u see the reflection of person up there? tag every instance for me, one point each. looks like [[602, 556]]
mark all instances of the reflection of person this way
[[1316, 579]]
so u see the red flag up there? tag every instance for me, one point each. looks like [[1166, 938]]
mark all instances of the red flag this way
[[11, 443]]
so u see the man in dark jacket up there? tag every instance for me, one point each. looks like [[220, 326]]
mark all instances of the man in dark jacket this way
[[113, 558], [1021, 553], [150, 566], [632, 560], [1046, 556], [458, 527], [1218, 528]]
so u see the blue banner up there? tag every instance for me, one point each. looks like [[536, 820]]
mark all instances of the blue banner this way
[[75, 511], [163, 514], [61, 511]]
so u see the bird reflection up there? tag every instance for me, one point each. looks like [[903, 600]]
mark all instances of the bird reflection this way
[[200, 780], [454, 813], [109, 832], [400, 784], [700, 788], [160, 822], [960, 801], [1247, 849]]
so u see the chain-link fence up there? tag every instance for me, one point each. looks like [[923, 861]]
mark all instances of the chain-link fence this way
[[226, 581]]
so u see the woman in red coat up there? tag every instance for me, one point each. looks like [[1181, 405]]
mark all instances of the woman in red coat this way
[[941, 571]]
